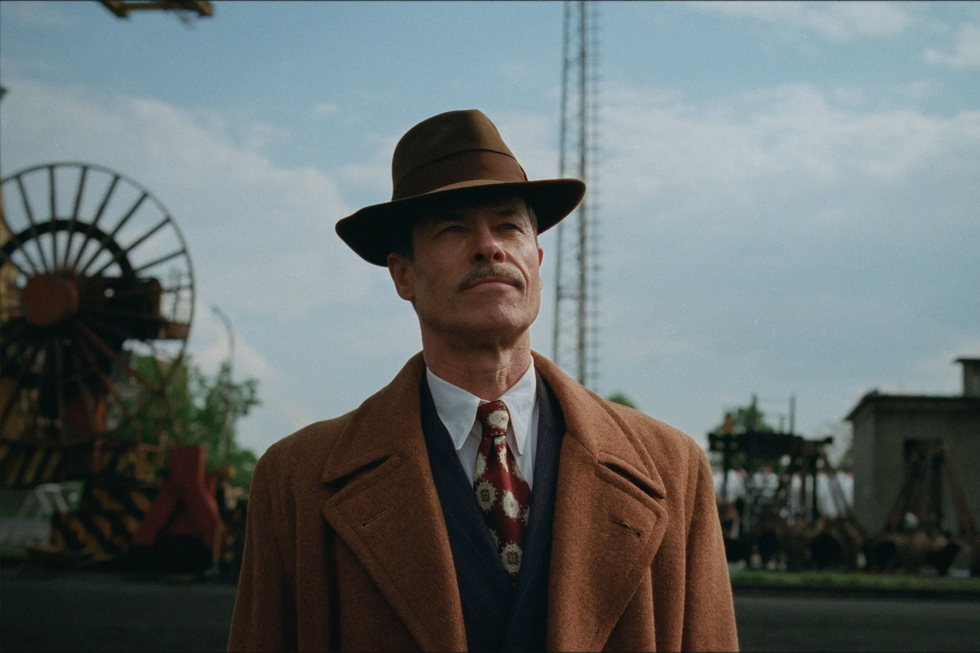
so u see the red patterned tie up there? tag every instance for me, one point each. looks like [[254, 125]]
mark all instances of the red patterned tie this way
[[500, 486]]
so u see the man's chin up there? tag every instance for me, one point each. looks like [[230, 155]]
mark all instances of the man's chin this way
[[495, 329]]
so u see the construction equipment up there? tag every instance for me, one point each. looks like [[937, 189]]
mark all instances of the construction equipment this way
[[784, 525], [96, 303], [810, 537], [913, 536]]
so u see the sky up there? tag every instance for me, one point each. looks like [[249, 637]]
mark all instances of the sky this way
[[788, 192]]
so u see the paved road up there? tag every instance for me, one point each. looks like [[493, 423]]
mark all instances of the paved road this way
[[781, 622], [78, 611]]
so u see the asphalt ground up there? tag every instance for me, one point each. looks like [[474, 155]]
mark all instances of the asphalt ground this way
[[43, 610]]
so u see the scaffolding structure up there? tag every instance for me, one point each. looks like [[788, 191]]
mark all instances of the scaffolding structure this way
[[576, 325]]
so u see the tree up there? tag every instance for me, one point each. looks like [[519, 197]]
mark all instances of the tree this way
[[196, 409], [621, 398], [739, 420], [747, 418]]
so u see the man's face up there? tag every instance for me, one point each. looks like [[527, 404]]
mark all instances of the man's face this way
[[475, 274]]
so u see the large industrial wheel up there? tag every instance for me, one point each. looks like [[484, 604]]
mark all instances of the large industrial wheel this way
[[96, 301]]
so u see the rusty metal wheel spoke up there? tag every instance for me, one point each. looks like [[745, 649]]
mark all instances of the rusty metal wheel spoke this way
[[120, 361], [94, 224], [29, 214], [73, 221], [15, 244], [112, 235], [117, 257], [53, 198], [6, 260], [107, 383]]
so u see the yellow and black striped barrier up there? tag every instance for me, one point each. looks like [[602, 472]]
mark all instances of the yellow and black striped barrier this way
[[24, 465], [108, 516]]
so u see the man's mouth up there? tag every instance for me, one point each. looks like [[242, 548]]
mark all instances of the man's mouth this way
[[488, 275], [486, 281]]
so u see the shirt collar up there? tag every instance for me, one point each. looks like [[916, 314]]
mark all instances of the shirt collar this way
[[457, 407]]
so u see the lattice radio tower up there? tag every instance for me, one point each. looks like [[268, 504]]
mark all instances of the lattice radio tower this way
[[576, 336]]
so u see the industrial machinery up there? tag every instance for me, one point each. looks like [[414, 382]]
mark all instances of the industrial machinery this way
[[782, 522], [96, 303], [913, 535], [798, 527]]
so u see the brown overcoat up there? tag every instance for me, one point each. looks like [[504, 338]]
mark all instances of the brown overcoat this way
[[347, 548]]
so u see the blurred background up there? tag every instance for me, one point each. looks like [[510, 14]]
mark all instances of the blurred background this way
[[777, 255]]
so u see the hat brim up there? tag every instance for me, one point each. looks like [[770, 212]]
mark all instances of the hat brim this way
[[369, 231]]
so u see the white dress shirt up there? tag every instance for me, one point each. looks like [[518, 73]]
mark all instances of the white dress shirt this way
[[457, 410]]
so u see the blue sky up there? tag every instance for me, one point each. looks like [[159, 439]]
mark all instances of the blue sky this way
[[788, 190]]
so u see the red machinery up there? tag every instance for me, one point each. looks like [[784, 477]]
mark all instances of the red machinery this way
[[185, 510]]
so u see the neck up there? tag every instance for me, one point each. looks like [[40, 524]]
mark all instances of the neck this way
[[486, 370]]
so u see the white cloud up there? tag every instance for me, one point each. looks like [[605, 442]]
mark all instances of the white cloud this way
[[530, 137], [210, 348], [723, 153], [966, 54], [838, 21], [373, 174], [260, 135], [299, 415]]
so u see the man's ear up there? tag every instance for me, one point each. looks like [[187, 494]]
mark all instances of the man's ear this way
[[400, 269]]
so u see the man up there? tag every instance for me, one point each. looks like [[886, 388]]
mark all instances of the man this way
[[483, 500]]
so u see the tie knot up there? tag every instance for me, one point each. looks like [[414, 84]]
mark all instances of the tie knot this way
[[494, 417]]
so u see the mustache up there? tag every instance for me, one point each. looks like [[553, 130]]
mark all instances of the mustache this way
[[488, 270]]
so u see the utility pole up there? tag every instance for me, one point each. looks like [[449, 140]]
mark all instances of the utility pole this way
[[576, 323], [229, 416]]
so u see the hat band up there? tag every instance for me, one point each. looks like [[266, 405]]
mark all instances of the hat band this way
[[463, 166]]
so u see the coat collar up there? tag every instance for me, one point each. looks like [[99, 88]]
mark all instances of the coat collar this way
[[609, 514]]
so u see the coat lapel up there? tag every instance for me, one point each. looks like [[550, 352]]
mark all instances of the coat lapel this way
[[386, 510], [609, 518]]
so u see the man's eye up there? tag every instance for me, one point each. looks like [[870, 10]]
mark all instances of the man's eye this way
[[451, 228]]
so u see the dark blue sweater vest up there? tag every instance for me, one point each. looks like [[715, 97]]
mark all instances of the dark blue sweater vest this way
[[499, 615]]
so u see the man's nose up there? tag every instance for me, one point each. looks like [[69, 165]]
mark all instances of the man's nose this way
[[486, 247]]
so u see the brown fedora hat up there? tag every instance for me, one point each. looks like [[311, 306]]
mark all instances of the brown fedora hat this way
[[453, 153]]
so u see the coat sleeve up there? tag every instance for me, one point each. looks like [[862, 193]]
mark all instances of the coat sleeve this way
[[709, 612], [265, 613]]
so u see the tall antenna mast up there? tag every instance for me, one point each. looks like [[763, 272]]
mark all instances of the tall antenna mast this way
[[576, 271]]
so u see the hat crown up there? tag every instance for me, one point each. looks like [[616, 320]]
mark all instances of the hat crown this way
[[452, 154], [444, 135]]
